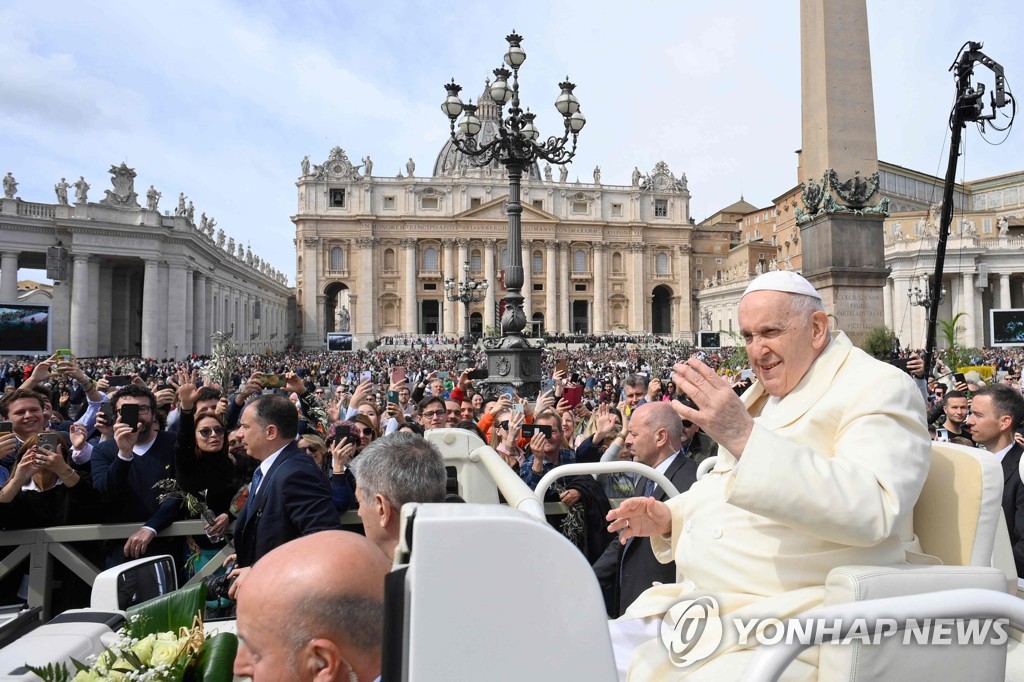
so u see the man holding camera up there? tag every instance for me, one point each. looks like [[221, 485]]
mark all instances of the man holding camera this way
[[289, 496]]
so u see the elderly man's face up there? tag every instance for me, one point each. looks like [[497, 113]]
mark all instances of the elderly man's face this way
[[263, 650], [782, 343]]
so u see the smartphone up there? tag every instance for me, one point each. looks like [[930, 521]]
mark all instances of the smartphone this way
[[959, 378], [365, 376], [479, 373], [398, 375], [107, 410], [162, 387], [530, 429], [573, 395], [119, 380], [942, 435], [443, 375], [561, 366], [64, 355], [273, 381], [393, 397], [343, 432], [130, 415], [517, 408], [49, 440], [6, 427]]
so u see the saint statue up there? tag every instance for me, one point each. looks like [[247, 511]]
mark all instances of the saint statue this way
[[190, 213], [220, 238], [597, 175], [343, 319], [81, 190], [210, 225], [231, 246], [10, 186], [1004, 227], [367, 166], [563, 174], [547, 172], [181, 205], [305, 165], [61, 188], [410, 167], [636, 176], [203, 222], [152, 198]]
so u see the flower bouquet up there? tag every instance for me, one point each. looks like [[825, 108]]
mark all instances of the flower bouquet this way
[[170, 489], [162, 641]]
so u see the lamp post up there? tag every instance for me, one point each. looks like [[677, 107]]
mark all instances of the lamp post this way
[[511, 362], [468, 291]]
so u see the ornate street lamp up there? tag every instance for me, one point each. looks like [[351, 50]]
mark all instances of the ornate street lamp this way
[[512, 363], [922, 297], [468, 291]]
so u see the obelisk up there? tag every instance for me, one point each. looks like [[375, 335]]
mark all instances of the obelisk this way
[[843, 249]]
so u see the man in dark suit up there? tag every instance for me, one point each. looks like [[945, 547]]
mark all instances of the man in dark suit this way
[[289, 496], [125, 468], [625, 570], [996, 411]]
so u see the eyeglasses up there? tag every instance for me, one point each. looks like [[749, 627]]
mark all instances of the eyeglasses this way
[[503, 425], [366, 432], [216, 430], [143, 409], [435, 413], [319, 392]]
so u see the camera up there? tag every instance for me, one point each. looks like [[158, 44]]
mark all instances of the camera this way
[[217, 586]]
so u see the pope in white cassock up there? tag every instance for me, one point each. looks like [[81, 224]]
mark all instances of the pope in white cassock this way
[[820, 463]]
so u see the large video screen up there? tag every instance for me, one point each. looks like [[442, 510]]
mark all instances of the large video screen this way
[[339, 342], [1007, 326], [24, 329]]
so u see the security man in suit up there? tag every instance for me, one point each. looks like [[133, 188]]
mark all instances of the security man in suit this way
[[289, 496], [996, 411], [625, 570]]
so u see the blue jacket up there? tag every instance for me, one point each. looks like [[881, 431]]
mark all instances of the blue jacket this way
[[127, 487], [294, 499]]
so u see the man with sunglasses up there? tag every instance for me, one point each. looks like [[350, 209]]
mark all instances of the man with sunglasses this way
[[124, 470]]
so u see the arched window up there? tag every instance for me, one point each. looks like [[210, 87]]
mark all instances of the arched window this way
[[504, 258], [538, 262], [617, 261], [337, 258], [430, 259], [579, 261], [389, 259], [661, 264], [475, 261]]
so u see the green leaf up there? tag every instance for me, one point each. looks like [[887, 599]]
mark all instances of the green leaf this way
[[217, 658], [51, 672], [169, 612]]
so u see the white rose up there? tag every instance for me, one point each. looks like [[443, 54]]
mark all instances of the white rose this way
[[164, 653], [144, 648]]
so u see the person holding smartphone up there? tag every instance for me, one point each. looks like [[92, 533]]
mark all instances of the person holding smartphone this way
[[125, 469]]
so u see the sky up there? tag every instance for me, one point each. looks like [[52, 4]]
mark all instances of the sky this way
[[221, 100]]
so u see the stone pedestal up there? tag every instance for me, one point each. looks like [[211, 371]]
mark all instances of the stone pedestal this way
[[843, 257], [513, 370]]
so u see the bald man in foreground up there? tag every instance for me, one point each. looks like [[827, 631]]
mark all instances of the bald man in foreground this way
[[313, 609], [819, 465]]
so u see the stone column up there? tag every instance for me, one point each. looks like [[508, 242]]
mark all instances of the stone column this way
[[411, 303], [60, 315], [550, 283], [120, 300], [492, 284], [311, 311], [684, 326], [177, 345], [9, 277], [1004, 291], [639, 299], [92, 311], [564, 323], [463, 259], [600, 322], [189, 332], [104, 314], [527, 284], [448, 270], [365, 320], [151, 308], [970, 337], [80, 307], [199, 333]]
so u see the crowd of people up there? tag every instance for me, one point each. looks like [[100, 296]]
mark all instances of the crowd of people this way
[[289, 442]]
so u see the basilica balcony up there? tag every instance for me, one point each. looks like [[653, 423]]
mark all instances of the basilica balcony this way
[[337, 274], [665, 276], [429, 274], [581, 276]]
